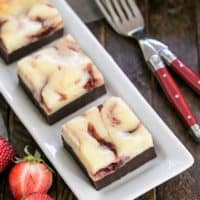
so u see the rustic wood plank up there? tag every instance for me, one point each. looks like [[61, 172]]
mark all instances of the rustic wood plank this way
[[197, 13], [4, 109], [3, 178], [174, 23], [151, 195]]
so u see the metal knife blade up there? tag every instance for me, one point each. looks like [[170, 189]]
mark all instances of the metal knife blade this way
[[159, 46], [151, 55], [86, 9]]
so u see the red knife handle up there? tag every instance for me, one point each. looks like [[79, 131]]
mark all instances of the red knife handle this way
[[192, 78], [175, 96], [185, 72]]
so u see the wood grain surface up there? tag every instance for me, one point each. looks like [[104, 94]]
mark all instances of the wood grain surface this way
[[175, 22]]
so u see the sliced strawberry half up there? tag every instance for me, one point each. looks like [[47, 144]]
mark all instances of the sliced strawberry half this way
[[30, 175], [38, 196]]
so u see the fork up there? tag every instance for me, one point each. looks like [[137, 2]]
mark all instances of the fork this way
[[126, 19]]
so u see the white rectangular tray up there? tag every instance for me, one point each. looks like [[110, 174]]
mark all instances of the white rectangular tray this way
[[172, 158]]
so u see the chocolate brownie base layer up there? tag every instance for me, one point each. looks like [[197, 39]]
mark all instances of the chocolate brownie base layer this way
[[16, 55], [128, 167], [68, 109]]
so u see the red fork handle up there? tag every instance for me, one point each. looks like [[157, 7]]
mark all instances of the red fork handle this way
[[175, 96], [192, 78]]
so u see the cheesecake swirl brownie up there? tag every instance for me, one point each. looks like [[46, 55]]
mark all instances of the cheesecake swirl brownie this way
[[108, 142], [60, 78], [26, 25]]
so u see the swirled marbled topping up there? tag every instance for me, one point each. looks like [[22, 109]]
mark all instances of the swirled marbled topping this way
[[59, 74]]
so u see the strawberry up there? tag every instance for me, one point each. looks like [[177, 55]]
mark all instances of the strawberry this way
[[30, 175], [7, 154], [38, 196]]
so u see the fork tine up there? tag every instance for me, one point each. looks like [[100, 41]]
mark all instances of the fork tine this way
[[126, 8], [123, 15], [134, 8], [111, 10], [104, 10], [119, 9]]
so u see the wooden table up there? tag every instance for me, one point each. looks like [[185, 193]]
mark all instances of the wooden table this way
[[176, 22]]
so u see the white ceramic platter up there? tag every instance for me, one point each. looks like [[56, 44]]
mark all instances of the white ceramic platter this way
[[172, 158]]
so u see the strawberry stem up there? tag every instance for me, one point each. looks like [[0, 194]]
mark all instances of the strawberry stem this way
[[33, 159]]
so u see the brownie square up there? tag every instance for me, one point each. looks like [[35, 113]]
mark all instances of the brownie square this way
[[60, 79], [26, 26], [108, 142]]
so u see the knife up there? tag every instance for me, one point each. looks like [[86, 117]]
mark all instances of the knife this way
[[170, 87]]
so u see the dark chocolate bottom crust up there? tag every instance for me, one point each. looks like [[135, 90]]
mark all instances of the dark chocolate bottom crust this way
[[16, 55], [128, 167], [68, 109]]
